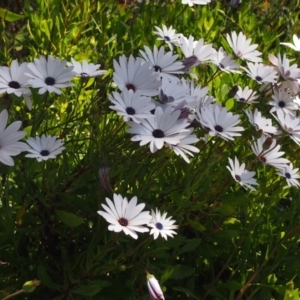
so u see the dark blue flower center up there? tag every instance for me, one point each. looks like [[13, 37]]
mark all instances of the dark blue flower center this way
[[258, 78], [83, 74], [130, 110], [219, 128], [221, 66], [44, 152], [238, 178], [14, 85], [123, 222], [242, 99], [159, 226], [130, 86], [157, 133], [167, 38], [281, 104], [157, 68], [288, 175], [50, 81]]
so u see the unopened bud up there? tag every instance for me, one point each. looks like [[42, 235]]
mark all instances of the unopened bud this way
[[104, 178], [29, 286], [154, 288]]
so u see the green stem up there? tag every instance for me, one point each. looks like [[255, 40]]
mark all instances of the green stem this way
[[13, 295]]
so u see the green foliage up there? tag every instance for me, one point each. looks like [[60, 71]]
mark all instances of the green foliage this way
[[231, 244]]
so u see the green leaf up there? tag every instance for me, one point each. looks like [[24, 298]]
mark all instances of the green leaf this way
[[92, 288], [186, 291], [10, 16], [46, 279], [190, 245], [197, 226], [69, 219]]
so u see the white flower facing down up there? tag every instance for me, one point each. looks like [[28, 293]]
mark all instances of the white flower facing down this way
[[225, 62], [86, 69], [9, 137], [242, 47], [192, 2], [241, 175], [44, 147], [164, 128], [161, 225], [161, 62], [168, 35], [261, 73], [290, 175], [136, 74], [296, 45], [219, 121], [14, 81], [259, 122], [132, 105], [50, 74], [245, 95], [271, 155], [125, 216]]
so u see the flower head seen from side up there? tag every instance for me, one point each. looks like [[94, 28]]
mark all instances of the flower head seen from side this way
[[261, 73], [290, 175], [136, 74], [165, 127], [269, 154], [132, 106], [241, 175], [168, 35], [162, 225], [45, 147], [283, 101], [50, 74], [245, 95], [259, 122], [225, 62], [287, 72], [9, 139], [296, 45], [85, 69], [220, 122], [154, 288], [193, 2], [242, 47], [14, 81], [161, 62], [126, 216]]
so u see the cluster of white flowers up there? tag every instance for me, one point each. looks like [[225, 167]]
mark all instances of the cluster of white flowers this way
[[129, 217], [47, 75], [160, 107]]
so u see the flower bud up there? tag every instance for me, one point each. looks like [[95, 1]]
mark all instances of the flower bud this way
[[29, 286], [154, 288]]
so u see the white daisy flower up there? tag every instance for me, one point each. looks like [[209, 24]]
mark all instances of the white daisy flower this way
[[9, 137], [125, 216], [261, 73], [85, 69], [131, 105], [282, 101], [290, 175], [287, 72], [161, 62], [14, 81], [192, 2], [296, 45], [172, 92], [161, 225], [270, 156], [168, 35], [259, 122], [50, 75], [196, 52], [290, 124], [219, 121], [246, 95], [154, 288], [136, 74], [184, 147], [241, 175], [44, 147], [225, 62], [166, 127], [242, 47]]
